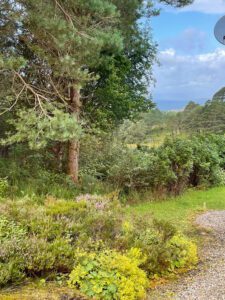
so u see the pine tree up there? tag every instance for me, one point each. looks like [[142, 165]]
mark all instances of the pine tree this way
[[51, 49], [60, 41]]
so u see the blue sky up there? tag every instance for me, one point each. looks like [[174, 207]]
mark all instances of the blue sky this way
[[192, 62]]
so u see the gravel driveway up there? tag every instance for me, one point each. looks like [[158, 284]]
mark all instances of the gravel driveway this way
[[208, 281]]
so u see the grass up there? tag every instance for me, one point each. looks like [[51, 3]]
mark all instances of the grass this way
[[181, 210], [156, 140]]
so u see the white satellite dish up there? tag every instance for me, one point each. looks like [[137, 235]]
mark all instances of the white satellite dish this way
[[219, 30]]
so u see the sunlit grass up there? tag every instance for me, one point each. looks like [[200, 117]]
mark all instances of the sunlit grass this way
[[180, 210], [156, 140]]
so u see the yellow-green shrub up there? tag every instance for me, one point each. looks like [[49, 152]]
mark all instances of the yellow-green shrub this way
[[110, 275], [183, 252], [165, 249]]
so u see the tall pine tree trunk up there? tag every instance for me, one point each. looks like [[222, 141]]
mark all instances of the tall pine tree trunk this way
[[74, 146]]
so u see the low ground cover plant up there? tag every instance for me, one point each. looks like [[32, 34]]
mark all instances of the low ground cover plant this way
[[108, 274], [91, 242]]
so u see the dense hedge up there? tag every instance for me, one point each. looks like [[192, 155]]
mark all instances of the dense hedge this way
[[107, 164], [175, 165]]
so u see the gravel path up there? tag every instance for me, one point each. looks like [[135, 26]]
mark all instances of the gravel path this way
[[208, 281]]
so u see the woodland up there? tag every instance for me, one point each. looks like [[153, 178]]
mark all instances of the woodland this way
[[82, 143]]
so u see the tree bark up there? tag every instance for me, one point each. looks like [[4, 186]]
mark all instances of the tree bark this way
[[74, 146]]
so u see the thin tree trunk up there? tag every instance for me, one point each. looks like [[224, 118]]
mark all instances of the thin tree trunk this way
[[74, 146]]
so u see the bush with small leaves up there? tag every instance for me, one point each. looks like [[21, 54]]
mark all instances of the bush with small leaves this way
[[183, 252], [164, 249], [13, 247]]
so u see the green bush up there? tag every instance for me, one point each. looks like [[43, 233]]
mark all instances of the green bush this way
[[110, 275], [131, 170], [163, 248], [39, 238], [177, 164], [4, 186], [208, 160], [107, 164], [13, 245], [183, 252], [43, 257], [10, 272]]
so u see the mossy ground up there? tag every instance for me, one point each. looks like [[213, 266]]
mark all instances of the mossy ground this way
[[36, 291]]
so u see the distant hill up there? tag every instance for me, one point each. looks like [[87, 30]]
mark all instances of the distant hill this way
[[220, 95], [153, 127]]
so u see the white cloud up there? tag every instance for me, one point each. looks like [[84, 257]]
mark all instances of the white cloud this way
[[204, 6], [168, 52], [189, 77]]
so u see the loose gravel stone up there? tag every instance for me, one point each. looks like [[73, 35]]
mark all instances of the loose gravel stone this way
[[208, 281]]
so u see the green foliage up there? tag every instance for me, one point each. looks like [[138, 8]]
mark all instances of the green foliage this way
[[107, 164], [164, 249], [46, 85], [147, 128], [197, 118], [34, 173], [207, 160], [97, 49], [41, 128], [15, 63], [131, 170], [177, 164], [166, 254], [183, 252], [109, 275], [177, 3], [40, 238], [12, 240], [4, 186], [44, 256]]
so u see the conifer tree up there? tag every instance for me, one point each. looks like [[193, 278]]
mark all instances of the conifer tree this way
[[51, 49], [60, 41]]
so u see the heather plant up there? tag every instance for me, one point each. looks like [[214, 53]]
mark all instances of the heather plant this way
[[13, 247], [41, 239]]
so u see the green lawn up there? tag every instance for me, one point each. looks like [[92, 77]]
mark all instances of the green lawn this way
[[181, 210]]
